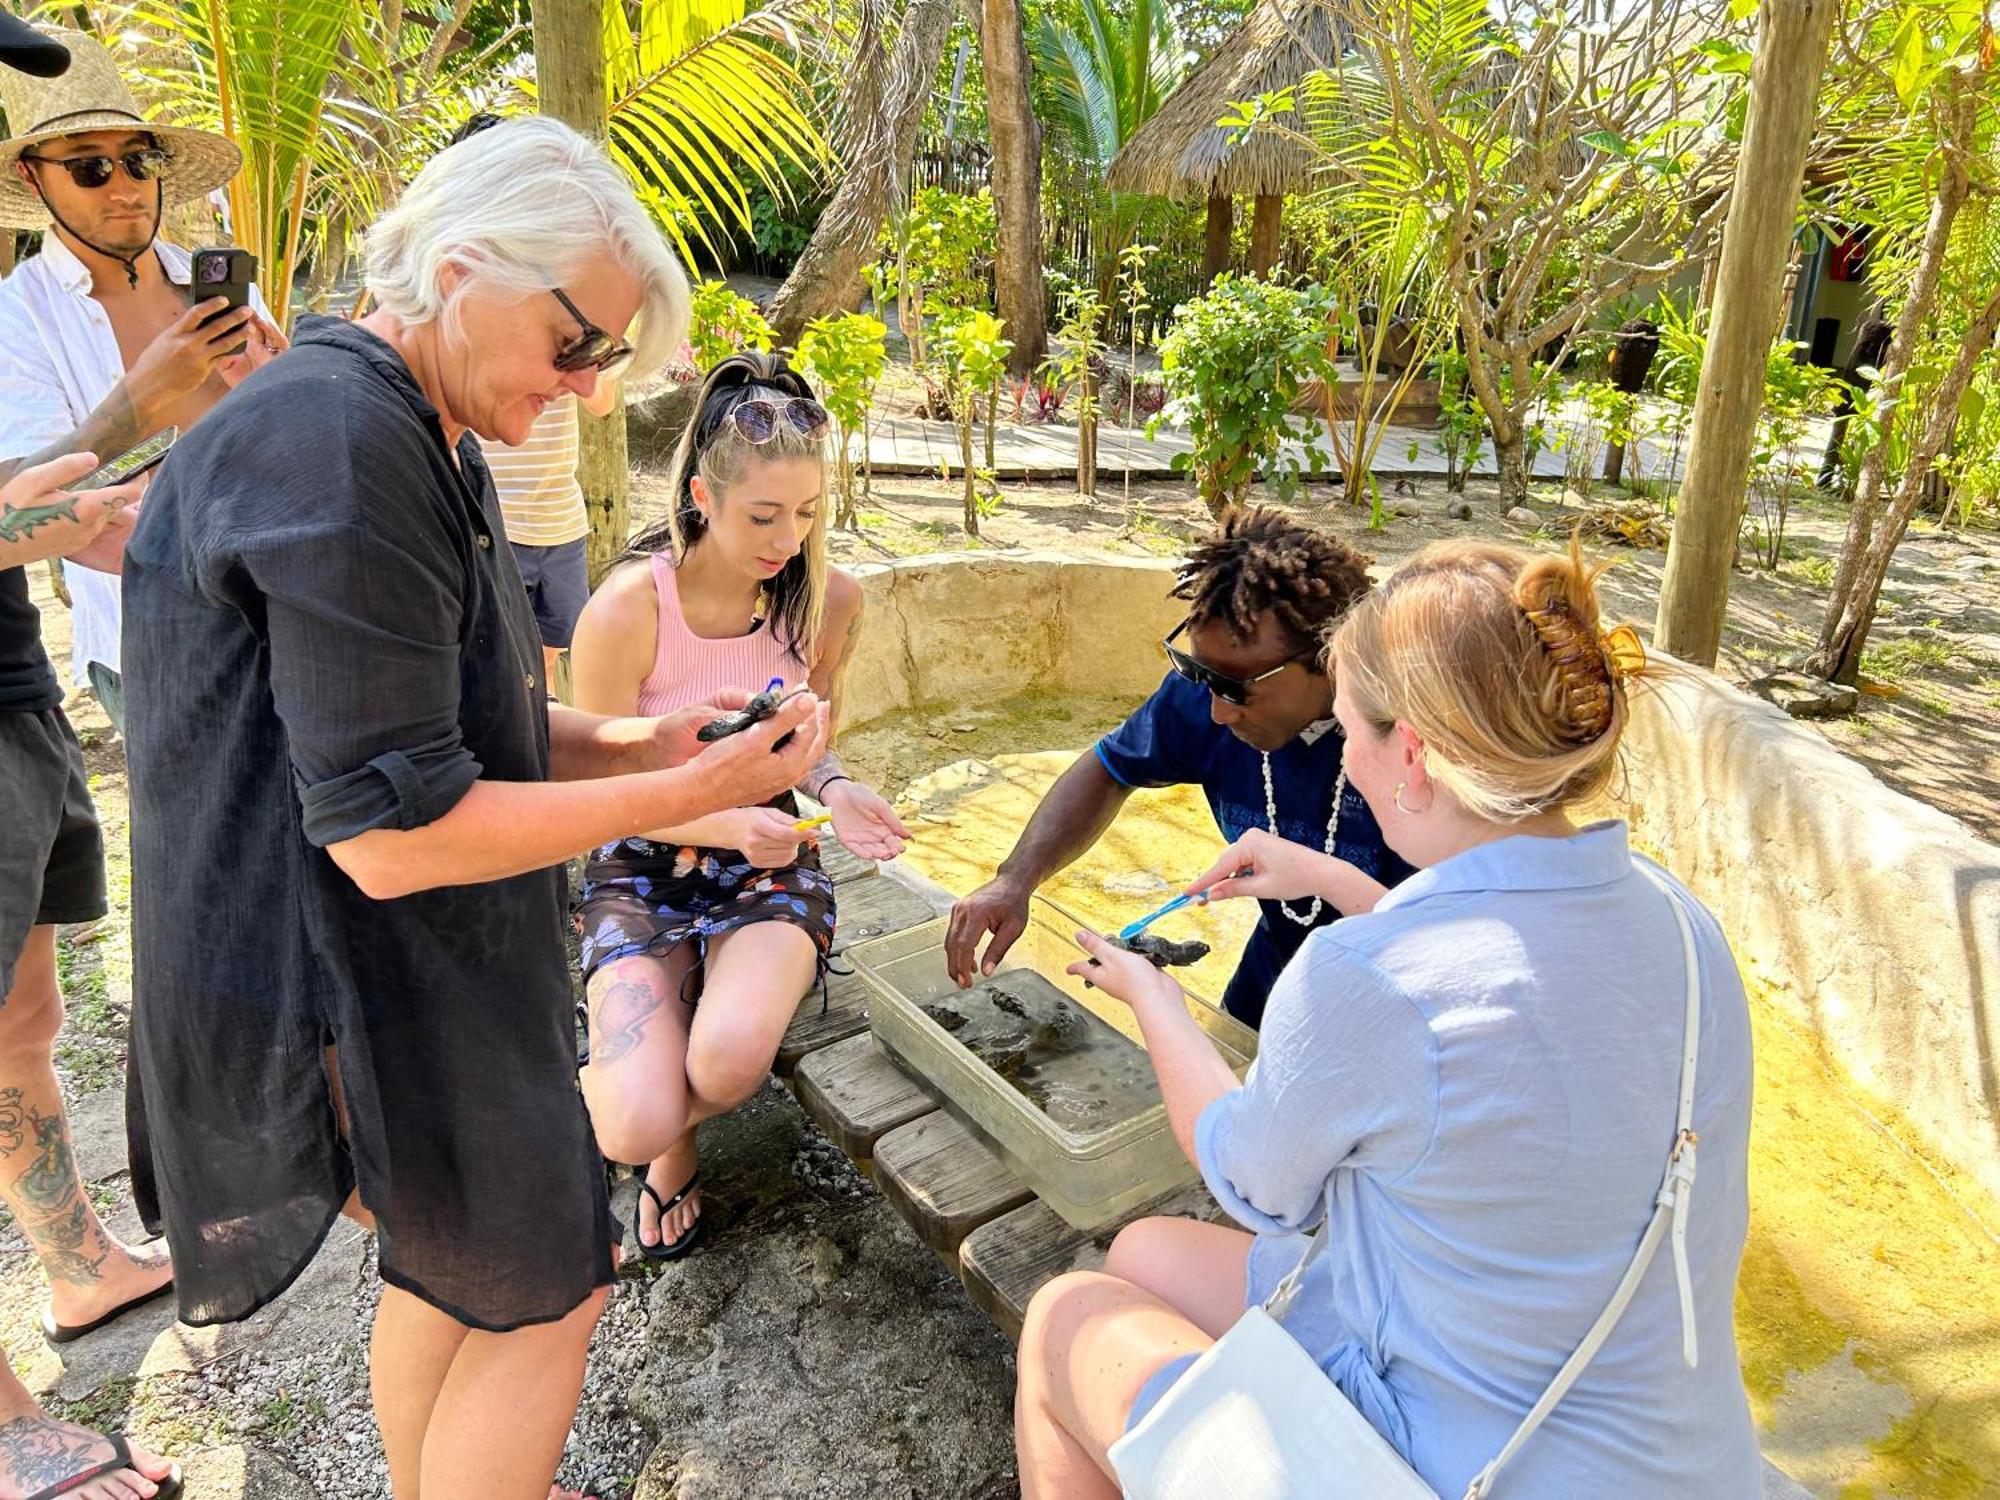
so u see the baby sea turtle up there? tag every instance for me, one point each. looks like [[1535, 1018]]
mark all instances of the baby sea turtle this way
[[756, 711], [1164, 953]]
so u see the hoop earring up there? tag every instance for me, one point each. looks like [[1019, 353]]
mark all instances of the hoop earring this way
[[1411, 812]]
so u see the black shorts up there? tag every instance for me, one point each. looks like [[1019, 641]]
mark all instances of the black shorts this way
[[51, 850]]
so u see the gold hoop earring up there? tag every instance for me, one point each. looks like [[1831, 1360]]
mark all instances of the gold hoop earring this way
[[1410, 812]]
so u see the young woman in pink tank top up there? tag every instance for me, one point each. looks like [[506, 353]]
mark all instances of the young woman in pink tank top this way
[[733, 592]]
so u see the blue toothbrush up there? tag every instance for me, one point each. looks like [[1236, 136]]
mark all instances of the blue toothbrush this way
[[1132, 930]]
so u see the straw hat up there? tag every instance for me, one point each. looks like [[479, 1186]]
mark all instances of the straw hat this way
[[91, 96]]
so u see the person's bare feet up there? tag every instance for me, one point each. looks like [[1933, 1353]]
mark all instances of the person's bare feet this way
[[37, 1451], [668, 1175], [126, 1275]]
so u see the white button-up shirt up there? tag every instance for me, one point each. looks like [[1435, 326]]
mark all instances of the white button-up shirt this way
[[58, 360]]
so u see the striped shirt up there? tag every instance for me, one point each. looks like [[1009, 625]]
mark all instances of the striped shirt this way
[[539, 496]]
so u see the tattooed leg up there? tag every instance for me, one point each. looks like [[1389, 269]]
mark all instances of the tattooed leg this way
[[90, 1272], [636, 1083]]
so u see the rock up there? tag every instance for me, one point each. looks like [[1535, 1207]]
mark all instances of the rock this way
[[97, 1134], [1457, 510], [1522, 516], [1805, 697], [241, 1474], [813, 1346], [654, 426]]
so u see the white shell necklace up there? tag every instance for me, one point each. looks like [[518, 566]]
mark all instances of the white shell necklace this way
[[1332, 831]]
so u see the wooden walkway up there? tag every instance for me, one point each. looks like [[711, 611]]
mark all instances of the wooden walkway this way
[[953, 1190]]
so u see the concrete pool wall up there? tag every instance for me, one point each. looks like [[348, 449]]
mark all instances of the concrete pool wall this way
[[1873, 919]]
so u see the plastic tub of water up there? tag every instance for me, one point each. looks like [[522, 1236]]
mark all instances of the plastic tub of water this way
[[1052, 1074]]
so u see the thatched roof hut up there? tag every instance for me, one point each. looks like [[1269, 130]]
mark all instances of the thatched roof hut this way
[[1182, 150]]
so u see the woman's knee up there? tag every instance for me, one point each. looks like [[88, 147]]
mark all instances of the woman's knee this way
[[1052, 1315], [31, 1014], [727, 1064], [636, 1125], [1140, 1248]]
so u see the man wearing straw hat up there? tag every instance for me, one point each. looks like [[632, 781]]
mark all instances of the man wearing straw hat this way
[[98, 345], [48, 857]]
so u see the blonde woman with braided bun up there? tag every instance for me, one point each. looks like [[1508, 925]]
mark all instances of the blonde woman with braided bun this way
[[1473, 1087]]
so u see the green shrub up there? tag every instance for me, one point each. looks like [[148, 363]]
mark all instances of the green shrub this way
[[723, 324], [1235, 361], [843, 358]]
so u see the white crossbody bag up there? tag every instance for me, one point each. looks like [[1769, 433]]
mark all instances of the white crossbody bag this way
[[1255, 1418]]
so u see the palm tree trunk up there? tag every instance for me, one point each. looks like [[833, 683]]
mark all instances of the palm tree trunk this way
[[1264, 233], [829, 271], [1792, 38], [1215, 237], [1017, 184], [569, 78]]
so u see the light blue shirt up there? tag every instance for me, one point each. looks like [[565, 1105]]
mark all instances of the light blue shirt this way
[[1476, 1084]]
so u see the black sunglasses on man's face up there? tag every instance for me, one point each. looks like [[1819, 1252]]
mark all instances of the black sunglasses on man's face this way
[[593, 348], [145, 165], [1235, 690]]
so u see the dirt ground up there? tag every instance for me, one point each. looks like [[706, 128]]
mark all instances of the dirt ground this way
[[1929, 722]]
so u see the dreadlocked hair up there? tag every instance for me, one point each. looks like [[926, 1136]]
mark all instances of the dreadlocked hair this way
[[1262, 559]]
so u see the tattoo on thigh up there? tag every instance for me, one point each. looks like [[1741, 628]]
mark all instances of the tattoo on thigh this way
[[618, 1021], [48, 1195], [36, 1452]]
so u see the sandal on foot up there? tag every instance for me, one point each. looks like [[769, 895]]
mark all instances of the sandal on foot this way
[[69, 1333], [667, 1250], [119, 1462]]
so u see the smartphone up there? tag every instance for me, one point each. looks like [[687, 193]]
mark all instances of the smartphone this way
[[130, 464], [226, 274]]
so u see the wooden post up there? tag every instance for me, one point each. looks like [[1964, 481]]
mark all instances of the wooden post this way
[[1784, 87], [569, 79], [1215, 238], [1264, 233]]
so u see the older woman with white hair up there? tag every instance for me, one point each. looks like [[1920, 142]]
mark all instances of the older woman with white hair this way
[[352, 801]]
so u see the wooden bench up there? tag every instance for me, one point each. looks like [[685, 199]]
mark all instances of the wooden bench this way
[[955, 1192]]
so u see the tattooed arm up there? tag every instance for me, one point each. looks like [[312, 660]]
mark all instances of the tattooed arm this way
[[38, 519], [864, 821]]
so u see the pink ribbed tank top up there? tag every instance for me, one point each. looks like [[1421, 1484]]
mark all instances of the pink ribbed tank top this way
[[689, 668]]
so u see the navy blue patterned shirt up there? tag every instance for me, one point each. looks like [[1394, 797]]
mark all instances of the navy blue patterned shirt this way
[[1171, 740]]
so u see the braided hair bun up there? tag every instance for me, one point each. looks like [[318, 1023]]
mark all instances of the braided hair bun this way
[[1497, 659]]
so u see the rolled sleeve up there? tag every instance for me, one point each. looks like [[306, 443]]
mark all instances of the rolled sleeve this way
[[365, 648], [1345, 1080]]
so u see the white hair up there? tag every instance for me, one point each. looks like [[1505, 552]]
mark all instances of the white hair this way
[[520, 207]]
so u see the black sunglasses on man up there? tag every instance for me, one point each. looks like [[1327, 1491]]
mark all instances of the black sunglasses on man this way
[[1229, 689], [148, 164]]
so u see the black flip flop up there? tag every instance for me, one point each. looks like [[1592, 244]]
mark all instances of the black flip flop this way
[[667, 1250], [69, 1333], [120, 1460]]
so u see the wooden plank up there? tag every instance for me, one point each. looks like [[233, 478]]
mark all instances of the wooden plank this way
[[944, 1180], [820, 1023], [865, 909], [845, 868], [856, 1095], [1005, 1261]]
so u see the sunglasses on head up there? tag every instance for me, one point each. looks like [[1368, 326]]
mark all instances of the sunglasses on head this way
[[146, 165], [1229, 689], [756, 420], [593, 348]]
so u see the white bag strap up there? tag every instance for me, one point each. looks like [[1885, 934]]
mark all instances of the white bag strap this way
[[1669, 1213]]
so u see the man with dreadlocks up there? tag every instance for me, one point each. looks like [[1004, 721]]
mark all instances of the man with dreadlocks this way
[[1245, 713]]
